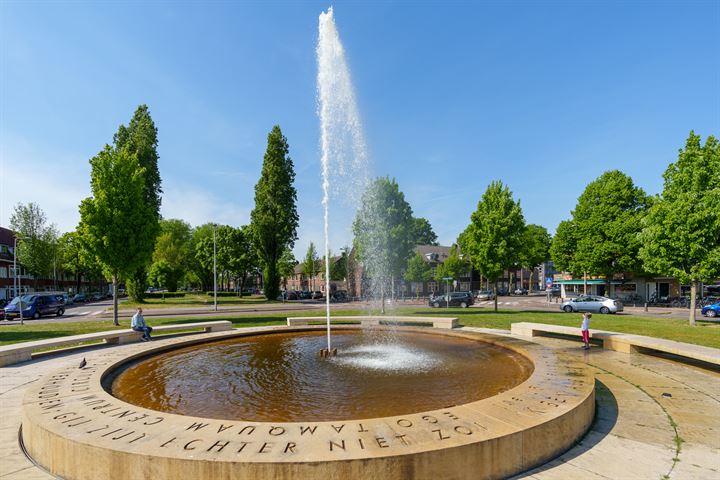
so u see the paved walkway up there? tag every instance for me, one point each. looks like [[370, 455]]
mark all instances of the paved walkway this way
[[656, 419]]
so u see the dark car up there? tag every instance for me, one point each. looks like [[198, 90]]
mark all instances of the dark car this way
[[520, 291], [35, 306], [453, 299], [554, 291], [79, 298], [291, 295], [711, 310], [316, 295]]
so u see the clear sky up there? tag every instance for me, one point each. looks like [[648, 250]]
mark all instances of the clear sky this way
[[542, 95]]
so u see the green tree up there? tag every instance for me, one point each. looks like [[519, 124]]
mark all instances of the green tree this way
[[383, 231], [139, 138], [172, 252], [200, 267], [117, 225], [237, 256], [339, 267], [161, 274], [75, 260], [563, 248], [536, 248], [681, 231], [602, 237], [494, 237], [310, 265], [274, 220], [454, 266], [286, 266], [418, 271], [423, 233], [36, 240]]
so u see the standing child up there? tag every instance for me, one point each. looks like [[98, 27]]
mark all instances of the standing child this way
[[585, 329]]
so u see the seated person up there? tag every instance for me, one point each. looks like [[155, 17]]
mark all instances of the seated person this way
[[138, 324]]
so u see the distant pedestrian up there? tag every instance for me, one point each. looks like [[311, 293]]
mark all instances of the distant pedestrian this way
[[138, 324], [585, 329]]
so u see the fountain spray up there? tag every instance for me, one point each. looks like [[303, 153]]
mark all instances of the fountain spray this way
[[341, 137]]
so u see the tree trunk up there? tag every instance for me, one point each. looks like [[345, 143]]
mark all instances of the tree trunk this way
[[382, 298], [693, 293], [521, 277], [115, 300], [78, 276], [495, 287]]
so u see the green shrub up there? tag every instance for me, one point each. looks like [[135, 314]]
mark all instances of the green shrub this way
[[223, 294], [165, 295]]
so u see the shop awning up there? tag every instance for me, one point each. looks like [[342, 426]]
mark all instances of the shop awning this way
[[589, 282]]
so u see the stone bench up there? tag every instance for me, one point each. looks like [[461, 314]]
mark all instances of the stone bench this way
[[437, 322], [624, 342], [21, 352]]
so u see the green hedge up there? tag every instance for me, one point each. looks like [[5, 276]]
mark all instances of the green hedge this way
[[165, 295], [223, 294]]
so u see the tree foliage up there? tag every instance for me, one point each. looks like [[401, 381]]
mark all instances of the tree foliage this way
[[310, 265], [681, 231], [493, 240], [384, 229], [139, 138], [274, 220], [117, 225], [171, 256], [36, 240], [602, 236], [423, 233], [418, 270]]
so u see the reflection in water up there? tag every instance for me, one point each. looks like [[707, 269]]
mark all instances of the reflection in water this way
[[279, 377]]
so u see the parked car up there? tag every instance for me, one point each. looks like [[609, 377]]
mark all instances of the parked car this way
[[340, 296], [502, 292], [711, 310], [79, 298], [291, 295], [587, 303], [316, 295], [454, 299], [554, 291], [35, 305], [484, 295], [520, 291]]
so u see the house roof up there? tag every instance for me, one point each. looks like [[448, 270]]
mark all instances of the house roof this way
[[433, 253]]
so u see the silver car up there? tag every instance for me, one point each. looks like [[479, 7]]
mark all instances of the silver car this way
[[587, 303]]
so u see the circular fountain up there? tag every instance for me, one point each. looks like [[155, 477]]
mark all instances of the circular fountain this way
[[259, 403]]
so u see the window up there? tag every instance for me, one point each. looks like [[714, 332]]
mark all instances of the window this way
[[3, 272]]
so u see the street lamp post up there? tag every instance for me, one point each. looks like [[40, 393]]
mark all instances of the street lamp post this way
[[214, 268]]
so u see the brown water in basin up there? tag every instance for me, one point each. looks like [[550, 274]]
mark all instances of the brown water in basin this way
[[279, 377]]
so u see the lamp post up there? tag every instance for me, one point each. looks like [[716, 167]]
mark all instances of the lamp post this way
[[447, 292], [214, 268]]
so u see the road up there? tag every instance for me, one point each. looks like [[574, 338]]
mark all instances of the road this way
[[100, 310]]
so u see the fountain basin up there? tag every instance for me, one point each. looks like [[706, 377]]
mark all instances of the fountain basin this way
[[76, 429]]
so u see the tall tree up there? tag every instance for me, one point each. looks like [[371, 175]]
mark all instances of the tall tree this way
[[563, 248], [423, 233], [339, 267], [200, 267], [36, 240], [383, 230], [494, 237], [536, 248], [418, 271], [139, 138], [274, 220], [681, 232], [117, 224], [310, 265], [172, 252], [602, 237]]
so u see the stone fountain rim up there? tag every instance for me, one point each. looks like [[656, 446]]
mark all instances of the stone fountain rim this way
[[486, 420]]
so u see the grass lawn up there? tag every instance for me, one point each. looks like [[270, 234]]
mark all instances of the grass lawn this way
[[193, 300], [704, 333]]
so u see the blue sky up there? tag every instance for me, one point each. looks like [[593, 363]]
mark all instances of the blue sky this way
[[542, 95]]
